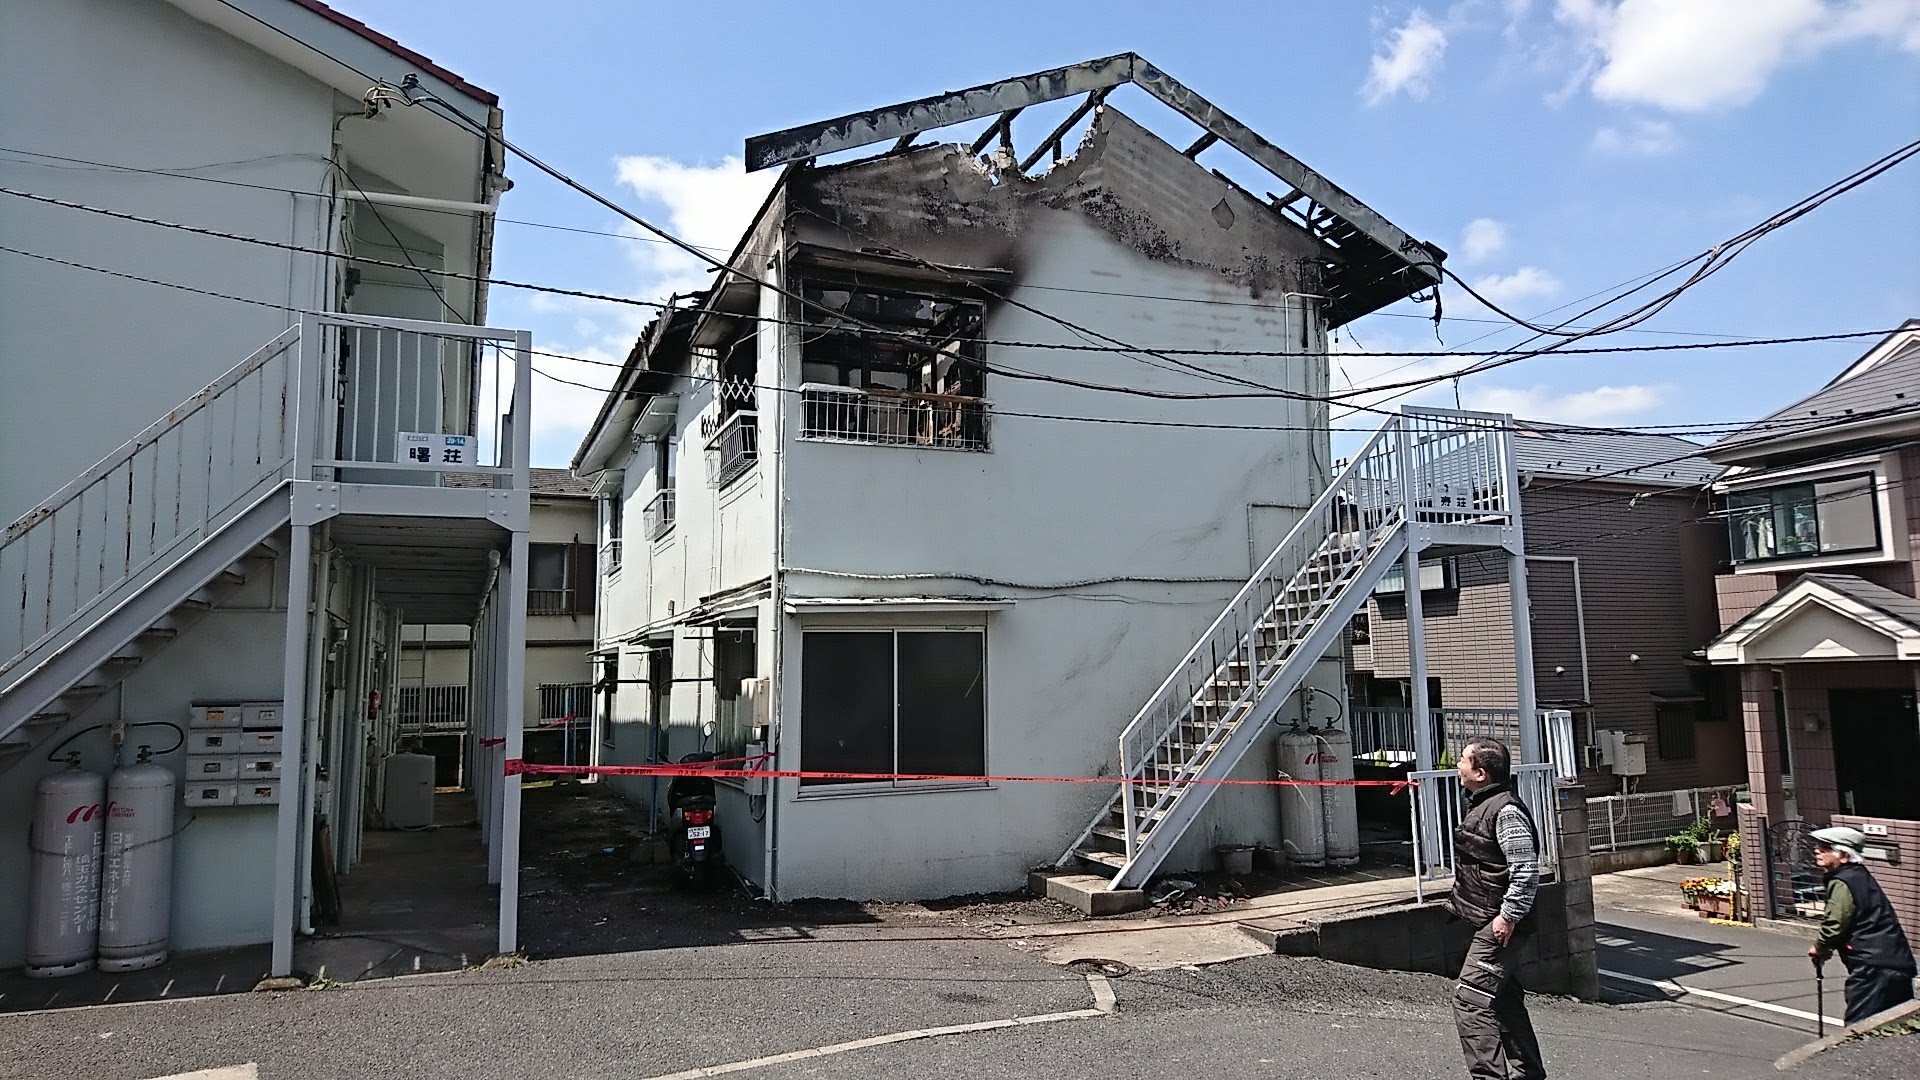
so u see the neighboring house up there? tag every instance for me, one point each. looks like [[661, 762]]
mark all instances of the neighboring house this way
[[926, 549], [223, 458], [1822, 624], [431, 700], [1620, 559]]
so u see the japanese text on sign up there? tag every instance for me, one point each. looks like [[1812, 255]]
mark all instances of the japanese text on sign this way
[[435, 451]]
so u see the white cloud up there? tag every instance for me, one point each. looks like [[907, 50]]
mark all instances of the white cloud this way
[[709, 206], [1600, 405], [1413, 55], [1483, 238], [1642, 138], [1526, 283], [1694, 55]]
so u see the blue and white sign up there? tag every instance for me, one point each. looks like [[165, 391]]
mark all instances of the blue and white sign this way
[[432, 450]]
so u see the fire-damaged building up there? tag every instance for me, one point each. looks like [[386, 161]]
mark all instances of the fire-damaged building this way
[[959, 456]]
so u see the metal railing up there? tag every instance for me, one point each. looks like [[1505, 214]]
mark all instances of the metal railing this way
[[733, 445], [426, 710], [549, 601], [1234, 659], [1648, 818], [610, 555], [1387, 734], [416, 397], [893, 417], [657, 519], [1460, 462], [561, 700], [146, 504], [1439, 803]]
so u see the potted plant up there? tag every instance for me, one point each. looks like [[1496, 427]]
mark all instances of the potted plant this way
[[1689, 844], [1733, 855], [1716, 902], [1692, 889]]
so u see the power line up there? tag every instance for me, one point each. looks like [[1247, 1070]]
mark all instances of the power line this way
[[1073, 418], [1118, 347], [186, 173]]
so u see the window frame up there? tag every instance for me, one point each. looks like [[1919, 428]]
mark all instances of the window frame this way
[[1882, 476], [565, 588], [826, 789]]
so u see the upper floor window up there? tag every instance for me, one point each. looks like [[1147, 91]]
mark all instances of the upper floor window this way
[[1829, 516], [560, 579], [612, 509], [917, 384]]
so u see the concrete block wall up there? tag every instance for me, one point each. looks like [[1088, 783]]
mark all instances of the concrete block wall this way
[[1556, 955]]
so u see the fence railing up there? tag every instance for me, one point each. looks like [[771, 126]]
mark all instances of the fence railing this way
[[399, 396], [657, 518], [1388, 734], [561, 700], [733, 445], [893, 417], [421, 710], [133, 514], [1648, 818], [1439, 802]]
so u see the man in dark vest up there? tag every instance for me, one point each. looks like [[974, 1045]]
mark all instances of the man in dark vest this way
[[1496, 872], [1860, 925]]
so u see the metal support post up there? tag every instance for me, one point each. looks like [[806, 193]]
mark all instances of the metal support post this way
[[513, 656], [292, 721]]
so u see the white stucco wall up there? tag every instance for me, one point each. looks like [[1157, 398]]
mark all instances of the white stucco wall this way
[[141, 84], [1054, 502]]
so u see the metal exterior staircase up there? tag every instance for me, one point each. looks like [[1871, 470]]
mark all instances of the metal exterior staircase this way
[[119, 563], [1424, 470]]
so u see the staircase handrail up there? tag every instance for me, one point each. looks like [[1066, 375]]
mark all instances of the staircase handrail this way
[[1316, 523], [272, 459]]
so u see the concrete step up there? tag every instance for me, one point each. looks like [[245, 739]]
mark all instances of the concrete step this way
[[1085, 892]]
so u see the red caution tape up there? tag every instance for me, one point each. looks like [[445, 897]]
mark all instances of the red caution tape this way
[[517, 767], [493, 742]]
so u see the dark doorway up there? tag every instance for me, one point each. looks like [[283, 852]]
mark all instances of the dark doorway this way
[[1876, 751]]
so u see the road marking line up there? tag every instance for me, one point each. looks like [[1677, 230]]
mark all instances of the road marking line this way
[[249, 1071], [1103, 1002], [1714, 995]]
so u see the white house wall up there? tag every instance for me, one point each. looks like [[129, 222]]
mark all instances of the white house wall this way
[[162, 91]]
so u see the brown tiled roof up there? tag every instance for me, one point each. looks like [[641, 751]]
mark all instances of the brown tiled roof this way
[[485, 97], [539, 482]]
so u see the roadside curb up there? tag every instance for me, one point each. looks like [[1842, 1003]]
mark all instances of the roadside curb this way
[[1894, 1015]]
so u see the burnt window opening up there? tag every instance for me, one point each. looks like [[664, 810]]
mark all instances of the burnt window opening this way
[[732, 429], [922, 386]]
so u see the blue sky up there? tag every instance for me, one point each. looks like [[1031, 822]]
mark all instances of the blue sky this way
[[1555, 148]]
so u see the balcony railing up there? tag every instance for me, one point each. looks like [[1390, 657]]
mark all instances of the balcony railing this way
[[610, 557], [893, 418], [398, 396], [558, 701], [657, 518], [733, 445]]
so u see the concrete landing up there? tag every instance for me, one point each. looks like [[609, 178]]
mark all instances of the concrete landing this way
[[1087, 893]]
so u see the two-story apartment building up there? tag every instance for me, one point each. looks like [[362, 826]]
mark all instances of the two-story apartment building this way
[[241, 337], [913, 500], [1621, 557], [1821, 609]]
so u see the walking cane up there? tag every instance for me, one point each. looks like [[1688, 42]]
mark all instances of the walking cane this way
[[1820, 997]]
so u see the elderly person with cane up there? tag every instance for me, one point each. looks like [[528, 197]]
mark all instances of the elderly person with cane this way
[[1860, 925]]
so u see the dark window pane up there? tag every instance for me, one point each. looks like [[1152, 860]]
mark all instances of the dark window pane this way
[[943, 703], [846, 702], [1673, 728], [547, 566]]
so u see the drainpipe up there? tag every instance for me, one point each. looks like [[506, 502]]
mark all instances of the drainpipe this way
[[770, 843]]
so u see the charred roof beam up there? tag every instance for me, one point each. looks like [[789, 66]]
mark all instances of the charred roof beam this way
[[1007, 98]]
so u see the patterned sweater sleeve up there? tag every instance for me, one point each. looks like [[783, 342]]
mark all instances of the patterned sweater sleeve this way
[[1522, 853]]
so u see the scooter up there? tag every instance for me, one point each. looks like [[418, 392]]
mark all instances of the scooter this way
[[695, 839]]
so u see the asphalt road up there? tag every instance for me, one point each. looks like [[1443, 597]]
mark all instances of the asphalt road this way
[[1760, 965], [648, 1014]]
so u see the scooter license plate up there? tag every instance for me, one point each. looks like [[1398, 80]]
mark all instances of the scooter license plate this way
[[699, 832]]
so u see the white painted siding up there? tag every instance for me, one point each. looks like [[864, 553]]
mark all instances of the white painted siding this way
[[159, 90], [1053, 503]]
